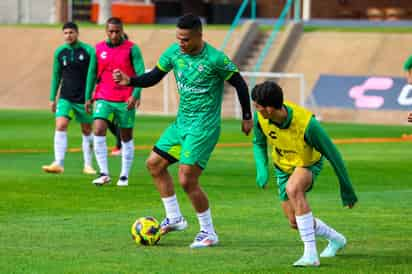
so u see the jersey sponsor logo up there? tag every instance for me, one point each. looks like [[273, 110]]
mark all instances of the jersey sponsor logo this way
[[282, 152], [183, 86], [272, 135], [103, 55]]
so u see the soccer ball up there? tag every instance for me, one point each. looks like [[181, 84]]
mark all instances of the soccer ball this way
[[146, 231]]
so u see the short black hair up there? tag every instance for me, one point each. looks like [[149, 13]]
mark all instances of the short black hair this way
[[189, 21], [114, 21], [268, 94], [70, 25]]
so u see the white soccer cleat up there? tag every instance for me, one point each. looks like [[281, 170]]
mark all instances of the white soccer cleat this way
[[307, 261], [176, 224], [204, 239], [53, 168], [89, 170], [333, 247], [101, 180], [123, 181]]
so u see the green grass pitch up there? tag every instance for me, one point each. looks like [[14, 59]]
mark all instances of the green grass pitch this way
[[64, 224]]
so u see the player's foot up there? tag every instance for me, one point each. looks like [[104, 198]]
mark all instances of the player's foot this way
[[307, 261], [53, 168], [333, 247], [101, 180], [204, 239], [169, 225], [116, 151], [89, 170], [123, 181]]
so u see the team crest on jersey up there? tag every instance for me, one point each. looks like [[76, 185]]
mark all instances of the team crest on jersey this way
[[103, 55], [64, 61], [81, 57], [200, 68]]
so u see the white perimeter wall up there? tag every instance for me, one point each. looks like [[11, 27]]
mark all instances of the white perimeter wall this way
[[27, 11]]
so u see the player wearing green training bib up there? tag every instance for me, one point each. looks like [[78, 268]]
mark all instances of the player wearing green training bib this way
[[299, 145], [200, 71], [70, 66]]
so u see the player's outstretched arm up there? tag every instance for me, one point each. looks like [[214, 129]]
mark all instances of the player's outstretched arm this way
[[237, 81], [260, 154], [145, 80]]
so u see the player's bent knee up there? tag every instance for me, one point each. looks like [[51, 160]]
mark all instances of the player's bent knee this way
[[291, 191]]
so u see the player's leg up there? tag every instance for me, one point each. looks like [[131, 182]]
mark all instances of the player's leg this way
[[126, 135], [299, 182], [102, 111], [86, 121], [87, 147], [196, 151], [336, 240], [63, 115], [166, 152], [115, 130], [126, 119]]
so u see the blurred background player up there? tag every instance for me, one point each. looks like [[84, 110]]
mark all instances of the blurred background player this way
[[407, 67], [200, 71], [299, 145], [70, 66], [113, 99]]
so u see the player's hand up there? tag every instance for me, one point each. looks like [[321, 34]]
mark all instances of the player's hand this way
[[410, 117], [53, 106], [247, 126], [88, 106], [132, 103], [120, 78]]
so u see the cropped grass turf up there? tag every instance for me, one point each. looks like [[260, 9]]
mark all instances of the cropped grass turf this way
[[63, 224]]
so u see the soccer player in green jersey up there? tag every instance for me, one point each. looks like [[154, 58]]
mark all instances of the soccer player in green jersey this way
[[200, 71], [299, 146], [407, 66], [70, 66]]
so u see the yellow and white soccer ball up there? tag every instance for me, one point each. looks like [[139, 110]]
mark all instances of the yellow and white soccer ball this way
[[146, 231]]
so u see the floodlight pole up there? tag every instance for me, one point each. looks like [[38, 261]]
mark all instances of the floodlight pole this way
[[105, 11]]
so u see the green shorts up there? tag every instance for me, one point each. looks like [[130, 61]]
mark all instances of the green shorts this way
[[115, 111], [67, 109], [282, 178], [188, 149]]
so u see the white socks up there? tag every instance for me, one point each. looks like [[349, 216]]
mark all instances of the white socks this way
[[323, 230], [171, 207], [100, 150], [87, 145], [60, 146], [205, 221], [127, 157], [307, 234]]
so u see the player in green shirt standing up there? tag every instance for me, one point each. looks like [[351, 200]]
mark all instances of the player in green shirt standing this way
[[70, 65], [407, 67], [200, 71], [299, 146]]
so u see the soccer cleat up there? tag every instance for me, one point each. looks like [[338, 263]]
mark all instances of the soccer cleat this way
[[204, 239], [333, 247], [176, 224], [89, 170], [101, 180], [307, 261], [123, 181], [53, 168], [116, 151]]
